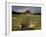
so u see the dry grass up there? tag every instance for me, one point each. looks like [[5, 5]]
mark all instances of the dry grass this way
[[32, 21]]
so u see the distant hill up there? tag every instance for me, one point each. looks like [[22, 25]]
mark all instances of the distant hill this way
[[26, 12], [16, 12], [36, 13]]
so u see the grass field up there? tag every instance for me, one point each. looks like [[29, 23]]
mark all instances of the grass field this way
[[27, 20]]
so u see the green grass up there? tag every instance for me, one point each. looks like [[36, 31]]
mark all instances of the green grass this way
[[25, 19]]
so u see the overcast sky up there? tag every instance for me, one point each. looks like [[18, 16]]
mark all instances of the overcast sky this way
[[24, 8]]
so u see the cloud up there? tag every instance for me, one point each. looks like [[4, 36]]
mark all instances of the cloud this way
[[24, 8]]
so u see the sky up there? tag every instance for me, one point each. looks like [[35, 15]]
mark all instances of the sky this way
[[24, 8]]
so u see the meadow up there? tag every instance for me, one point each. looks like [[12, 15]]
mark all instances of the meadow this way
[[30, 21]]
